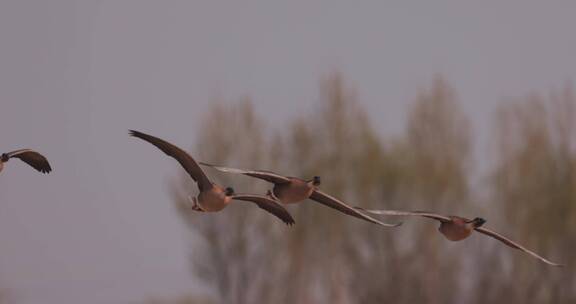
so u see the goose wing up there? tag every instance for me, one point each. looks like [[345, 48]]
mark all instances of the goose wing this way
[[267, 204], [268, 176], [431, 215], [513, 244], [332, 202], [181, 156], [32, 158]]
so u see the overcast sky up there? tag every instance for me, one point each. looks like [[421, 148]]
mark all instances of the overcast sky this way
[[76, 75]]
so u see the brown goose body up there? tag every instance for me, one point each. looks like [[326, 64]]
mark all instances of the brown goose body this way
[[213, 200], [457, 229], [295, 191]]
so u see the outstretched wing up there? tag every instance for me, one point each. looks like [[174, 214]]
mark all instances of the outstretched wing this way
[[265, 175], [408, 213], [513, 244], [267, 204], [32, 158], [181, 156], [332, 202]]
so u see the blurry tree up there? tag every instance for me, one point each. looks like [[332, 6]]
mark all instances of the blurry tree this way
[[234, 250], [337, 142], [247, 256], [426, 169], [535, 190], [438, 138]]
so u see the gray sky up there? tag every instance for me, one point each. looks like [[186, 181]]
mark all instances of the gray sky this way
[[76, 75]]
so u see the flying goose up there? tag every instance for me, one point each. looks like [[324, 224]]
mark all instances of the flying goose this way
[[457, 228], [290, 190], [213, 197], [31, 157]]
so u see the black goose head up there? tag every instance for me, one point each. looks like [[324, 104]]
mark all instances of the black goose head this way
[[316, 180], [229, 191], [477, 222]]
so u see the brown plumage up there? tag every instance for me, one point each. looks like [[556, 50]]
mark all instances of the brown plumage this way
[[213, 197], [31, 157], [457, 228], [290, 190]]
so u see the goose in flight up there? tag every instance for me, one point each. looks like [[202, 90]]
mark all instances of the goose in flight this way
[[290, 190], [457, 228], [213, 197], [31, 157]]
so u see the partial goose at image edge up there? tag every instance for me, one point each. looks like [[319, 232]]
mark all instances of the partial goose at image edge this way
[[30, 157]]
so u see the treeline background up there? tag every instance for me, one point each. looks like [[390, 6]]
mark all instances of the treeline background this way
[[523, 181]]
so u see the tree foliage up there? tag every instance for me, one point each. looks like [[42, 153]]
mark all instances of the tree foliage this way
[[246, 256]]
